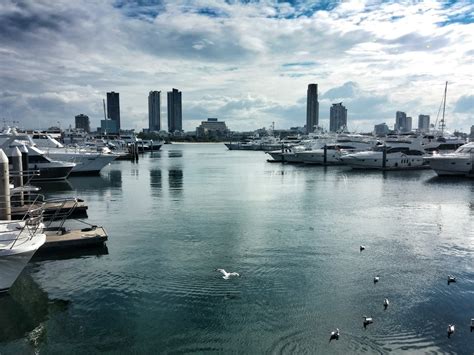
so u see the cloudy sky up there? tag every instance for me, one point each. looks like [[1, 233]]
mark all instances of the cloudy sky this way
[[245, 62]]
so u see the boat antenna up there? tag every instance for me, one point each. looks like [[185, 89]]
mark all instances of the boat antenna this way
[[442, 125]]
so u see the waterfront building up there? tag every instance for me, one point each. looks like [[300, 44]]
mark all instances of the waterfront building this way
[[82, 122], [154, 106], [402, 122], [381, 129], [337, 117], [213, 128], [113, 107], [424, 123], [312, 108], [175, 118], [109, 127]]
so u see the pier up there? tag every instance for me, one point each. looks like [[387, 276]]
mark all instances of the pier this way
[[59, 239]]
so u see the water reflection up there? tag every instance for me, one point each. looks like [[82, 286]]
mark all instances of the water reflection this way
[[175, 181], [155, 182], [54, 186], [98, 251], [175, 153], [24, 309]]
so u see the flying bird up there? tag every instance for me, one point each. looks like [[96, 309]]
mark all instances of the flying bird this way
[[227, 275]]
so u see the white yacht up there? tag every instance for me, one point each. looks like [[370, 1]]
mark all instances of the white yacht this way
[[387, 158], [19, 240], [460, 163], [87, 161]]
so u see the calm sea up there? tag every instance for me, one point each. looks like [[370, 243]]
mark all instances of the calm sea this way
[[292, 232]]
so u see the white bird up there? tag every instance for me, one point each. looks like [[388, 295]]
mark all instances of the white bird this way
[[334, 334], [376, 279], [450, 329], [362, 247], [367, 320], [386, 303], [226, 274], [451, 278]]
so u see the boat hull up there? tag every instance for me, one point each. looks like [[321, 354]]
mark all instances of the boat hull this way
[[13, 261], [86, 164]]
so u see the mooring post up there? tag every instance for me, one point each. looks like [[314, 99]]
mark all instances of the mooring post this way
[[18, 168], [325, 154], [5, 207], [384, 157]]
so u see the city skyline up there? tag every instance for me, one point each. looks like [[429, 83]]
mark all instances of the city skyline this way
[[247, 63]]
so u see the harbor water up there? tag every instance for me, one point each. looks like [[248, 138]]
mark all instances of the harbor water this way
[[292, 232]]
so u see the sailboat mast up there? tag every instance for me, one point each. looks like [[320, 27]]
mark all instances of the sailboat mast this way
[[444, 108]]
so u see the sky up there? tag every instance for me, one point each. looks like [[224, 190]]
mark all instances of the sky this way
[[247, 63]]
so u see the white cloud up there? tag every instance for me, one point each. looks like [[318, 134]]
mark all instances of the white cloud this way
[[59, 58]]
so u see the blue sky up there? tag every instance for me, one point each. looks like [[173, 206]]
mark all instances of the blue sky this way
[[245, 62]]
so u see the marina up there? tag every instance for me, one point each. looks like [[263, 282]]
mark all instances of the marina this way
[[306, 241]]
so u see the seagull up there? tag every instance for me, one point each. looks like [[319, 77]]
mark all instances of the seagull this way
[[362, 247], [451, 278], [334, 335], [226, 274], [450, 329], [376, 279], [367, 321], [386, 303]]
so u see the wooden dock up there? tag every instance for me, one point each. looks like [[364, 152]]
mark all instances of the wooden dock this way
[[70, 208], [63, 239]]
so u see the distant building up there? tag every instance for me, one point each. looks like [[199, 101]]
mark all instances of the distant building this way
[[113, 107], [337, 117], [424, 123], [381, 129], [175, 112], [312, 108], [82, 122], [471, 136], [409, 125], [212, 128], [402, 122], [109, 127], [154, 106]]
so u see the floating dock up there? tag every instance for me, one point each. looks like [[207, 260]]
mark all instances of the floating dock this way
[[71, 209], [62, 239]]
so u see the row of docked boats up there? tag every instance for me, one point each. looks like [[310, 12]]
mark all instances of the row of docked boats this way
[[55, 161], [447, 155]]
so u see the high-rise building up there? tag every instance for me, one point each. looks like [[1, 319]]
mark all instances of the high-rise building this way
[[82, 122], [337, 117], [381, 129], [312, 108], [408, 124], [424, 123], [113, 107], [471, 136], [175, 116], [154, 106], [400, 121]]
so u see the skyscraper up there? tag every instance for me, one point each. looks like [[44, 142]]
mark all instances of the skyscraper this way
[[175, 117], [82, 122], [154, 105], [408, 124], [400, 121], [424, 123], [113, 107], [337, 117], [312, 108]]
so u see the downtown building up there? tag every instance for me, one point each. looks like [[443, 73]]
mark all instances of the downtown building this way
[[403, 123], [424, 123], [82, 122], [112, 125], [212, 128], [337, 117], [154, 107], [312, 108], [175, 111]]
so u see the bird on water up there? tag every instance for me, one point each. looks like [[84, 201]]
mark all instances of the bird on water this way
[[451, 278], [227, 275], [362, 247], [450, 330], [386, 303], [376, 279], [334, 335]]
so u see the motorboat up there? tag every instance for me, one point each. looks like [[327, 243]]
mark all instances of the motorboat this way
[[460, 163], [387, 158], [19, 240], [87, 161]]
